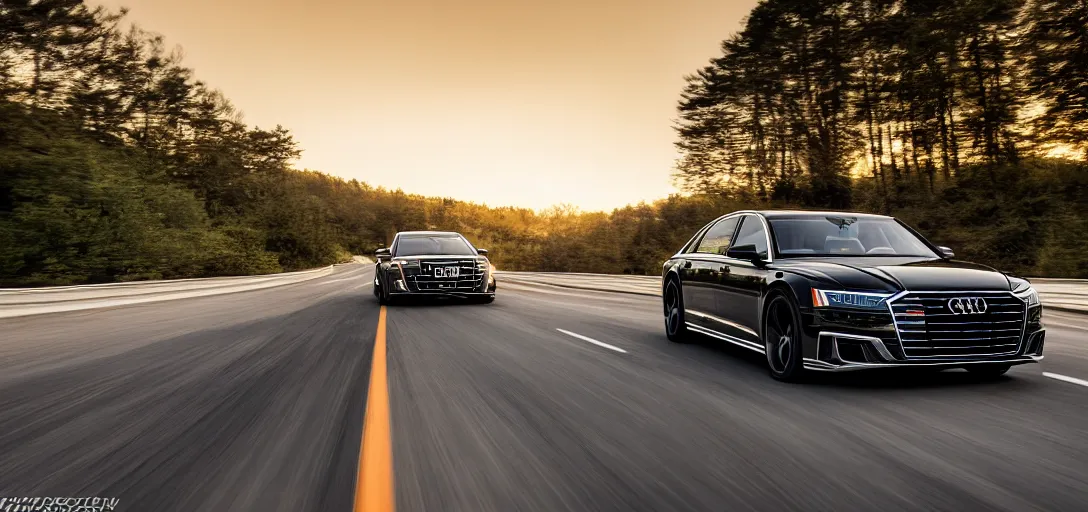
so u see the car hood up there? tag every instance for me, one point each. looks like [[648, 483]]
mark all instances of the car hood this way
[[429, 257], [893, 273]]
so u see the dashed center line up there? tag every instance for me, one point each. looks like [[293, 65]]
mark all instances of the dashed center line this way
[[1064, 378], [593, 341]]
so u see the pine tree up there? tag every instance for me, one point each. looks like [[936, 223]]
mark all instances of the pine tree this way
[[1055, 48]]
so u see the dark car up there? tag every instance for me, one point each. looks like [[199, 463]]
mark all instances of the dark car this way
[[433, 263], [833, 291]]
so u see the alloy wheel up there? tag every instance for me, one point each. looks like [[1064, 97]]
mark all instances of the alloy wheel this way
[[780, 336], [672, 308], [675, 328]]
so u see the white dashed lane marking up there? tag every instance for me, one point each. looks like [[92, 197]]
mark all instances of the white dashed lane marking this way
[[593, 341], [1064, 378]]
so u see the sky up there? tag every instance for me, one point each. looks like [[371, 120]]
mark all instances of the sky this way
[[526, 103]]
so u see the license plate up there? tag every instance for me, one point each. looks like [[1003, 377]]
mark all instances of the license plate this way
[[444, 272]]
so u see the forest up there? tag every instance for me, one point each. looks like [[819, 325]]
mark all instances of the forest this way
[[966, 118]]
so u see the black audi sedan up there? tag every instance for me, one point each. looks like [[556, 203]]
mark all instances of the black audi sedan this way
[[834, 291], [432, 263]]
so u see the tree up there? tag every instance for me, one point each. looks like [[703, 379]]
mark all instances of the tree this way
[[1055, 48], [49, 32]]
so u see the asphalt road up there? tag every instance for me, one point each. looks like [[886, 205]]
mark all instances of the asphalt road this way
[[256, 401]]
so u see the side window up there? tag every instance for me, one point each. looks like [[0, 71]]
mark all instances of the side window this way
[[752, 232], [717, 238]]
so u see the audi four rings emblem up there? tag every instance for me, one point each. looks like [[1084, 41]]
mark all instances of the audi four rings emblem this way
[[967, 305]]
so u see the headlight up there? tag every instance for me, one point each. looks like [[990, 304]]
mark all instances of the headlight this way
[[839, 298], [1029, 295], [406, 263]]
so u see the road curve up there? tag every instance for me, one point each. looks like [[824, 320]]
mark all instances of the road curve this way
[[548, 399]]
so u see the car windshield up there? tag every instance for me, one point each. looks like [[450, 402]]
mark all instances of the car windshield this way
[[433, 245], [845, 236]]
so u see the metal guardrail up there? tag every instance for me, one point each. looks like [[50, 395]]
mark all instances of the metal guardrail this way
[[1060, 294], [34, 301], [1063, 294], [637, 285]]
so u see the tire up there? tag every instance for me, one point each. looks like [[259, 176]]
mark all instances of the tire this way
[[383, 298], [676, 327], [989, 371], [782, 338]]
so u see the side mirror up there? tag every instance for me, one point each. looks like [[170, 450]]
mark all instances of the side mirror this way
[[382, 254], [481, 252], [746, 253], [946, 252]]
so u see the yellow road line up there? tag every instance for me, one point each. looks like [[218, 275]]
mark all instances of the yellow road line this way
[[374, 482]]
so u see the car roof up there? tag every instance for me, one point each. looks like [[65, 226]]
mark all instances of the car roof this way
[[770, 214], [426, 233]]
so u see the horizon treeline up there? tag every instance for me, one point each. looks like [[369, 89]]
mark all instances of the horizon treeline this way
[[117, 163], [967, 118], [814, 95]]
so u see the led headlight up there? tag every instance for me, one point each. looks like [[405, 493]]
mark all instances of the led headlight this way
[[844, 299], [1029, 295], [406, 263]]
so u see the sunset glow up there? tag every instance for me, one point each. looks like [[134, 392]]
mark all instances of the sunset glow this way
[[505, 103]]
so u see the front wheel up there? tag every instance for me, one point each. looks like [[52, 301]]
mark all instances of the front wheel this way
[[676, 328], [383, 298], [782, 338]]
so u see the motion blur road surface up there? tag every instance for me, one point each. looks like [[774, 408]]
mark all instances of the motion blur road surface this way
[[256, 401]]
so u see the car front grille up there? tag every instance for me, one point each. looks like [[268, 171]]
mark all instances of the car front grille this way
[[424, 280], [929, 326]]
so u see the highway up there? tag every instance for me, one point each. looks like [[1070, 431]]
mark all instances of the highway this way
[[549, 399]]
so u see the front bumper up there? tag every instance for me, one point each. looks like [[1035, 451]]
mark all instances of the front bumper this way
[[823, 366], [399, 286], [877, 355], [436, 293]]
